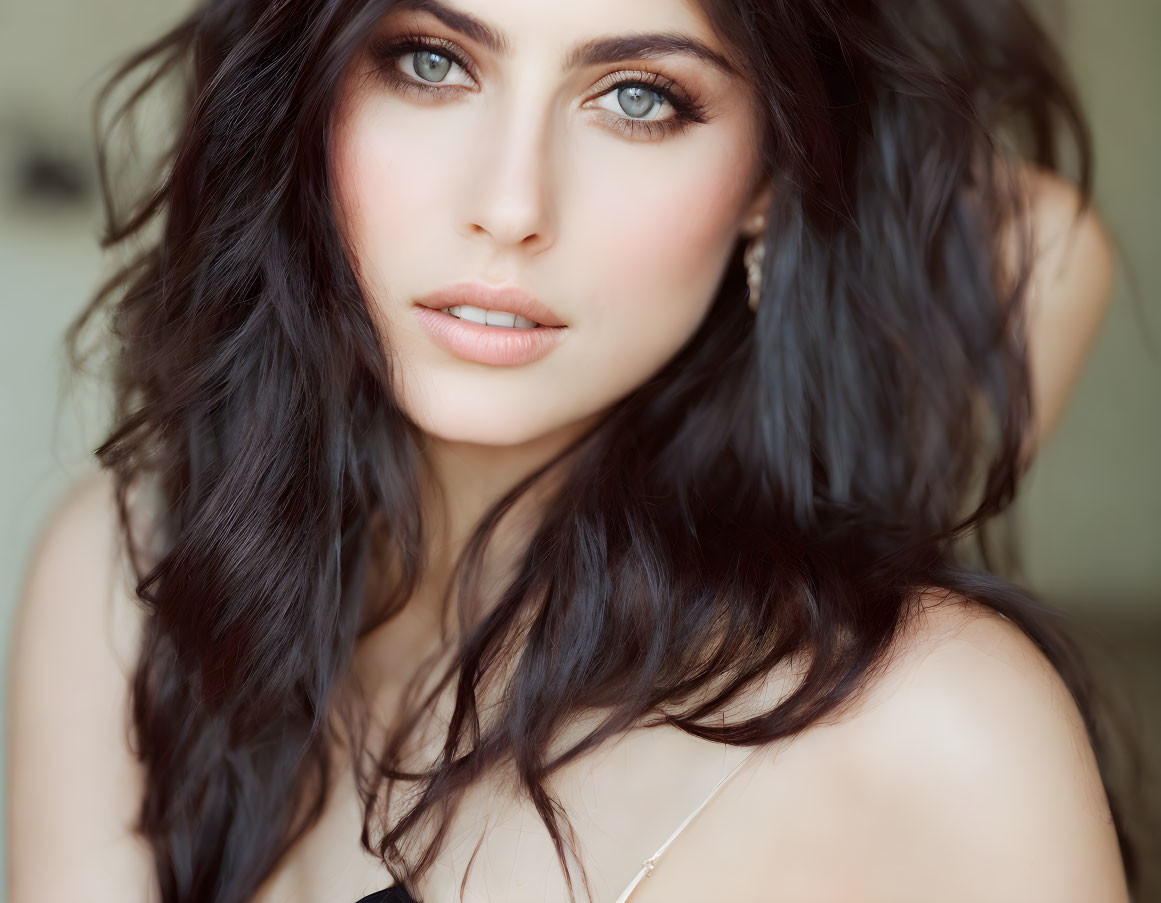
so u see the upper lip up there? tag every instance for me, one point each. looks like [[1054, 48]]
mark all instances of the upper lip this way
[[492, 297]]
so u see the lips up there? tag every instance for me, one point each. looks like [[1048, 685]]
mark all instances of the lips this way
[[508, 298], [499, 346]]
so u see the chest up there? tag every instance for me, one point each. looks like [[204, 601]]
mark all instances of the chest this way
[[623, 802], [779, 815]]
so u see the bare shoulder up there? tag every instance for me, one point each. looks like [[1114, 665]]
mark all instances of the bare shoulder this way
[[965, 683], [73, 780], [78, 575], [964, 774]]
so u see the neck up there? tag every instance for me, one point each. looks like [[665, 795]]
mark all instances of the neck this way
[[462, 481]]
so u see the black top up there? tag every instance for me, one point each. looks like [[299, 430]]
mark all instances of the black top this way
[[396, 893]]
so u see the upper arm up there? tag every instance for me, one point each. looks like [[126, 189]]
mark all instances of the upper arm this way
[[74, 784], [1070, 288], [982, 778]]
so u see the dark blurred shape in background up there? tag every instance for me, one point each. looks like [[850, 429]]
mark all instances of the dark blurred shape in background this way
[[45, 176]]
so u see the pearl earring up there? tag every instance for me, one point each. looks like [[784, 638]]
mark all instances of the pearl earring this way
[[755, 252]]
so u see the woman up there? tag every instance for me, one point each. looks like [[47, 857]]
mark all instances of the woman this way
[[542, 424]]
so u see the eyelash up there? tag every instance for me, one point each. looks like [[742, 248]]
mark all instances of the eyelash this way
[[687, 111]]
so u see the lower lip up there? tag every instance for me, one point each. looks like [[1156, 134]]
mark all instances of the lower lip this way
[[501, 346]]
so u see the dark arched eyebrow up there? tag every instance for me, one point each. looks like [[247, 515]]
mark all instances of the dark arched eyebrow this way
[[590, 53]]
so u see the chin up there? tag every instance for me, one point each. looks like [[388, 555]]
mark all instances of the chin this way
[[484, 425]]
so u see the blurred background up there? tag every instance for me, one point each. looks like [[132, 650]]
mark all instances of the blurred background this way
[[1089, 521]]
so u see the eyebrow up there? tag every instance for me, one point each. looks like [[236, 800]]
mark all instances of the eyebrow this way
[[590, 53]]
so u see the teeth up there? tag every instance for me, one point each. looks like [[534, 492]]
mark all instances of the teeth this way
[[500, 318], [491, 317], [473, 314]]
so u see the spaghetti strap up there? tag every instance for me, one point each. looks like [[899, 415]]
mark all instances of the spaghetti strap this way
[[649, 864]]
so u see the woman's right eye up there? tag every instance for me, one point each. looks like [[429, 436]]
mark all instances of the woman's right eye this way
[[420, 65]]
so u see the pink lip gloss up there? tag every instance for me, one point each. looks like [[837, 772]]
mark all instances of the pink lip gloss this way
[[500, 346]]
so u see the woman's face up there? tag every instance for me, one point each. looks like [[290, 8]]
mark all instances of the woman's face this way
[[518, 144]]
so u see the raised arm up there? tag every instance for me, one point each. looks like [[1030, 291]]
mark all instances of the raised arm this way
[[1069, 293]]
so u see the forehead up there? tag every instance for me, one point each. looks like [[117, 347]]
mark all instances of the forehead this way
[[574, 29]]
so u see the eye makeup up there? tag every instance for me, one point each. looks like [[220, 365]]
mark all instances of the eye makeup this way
[[687, 110]]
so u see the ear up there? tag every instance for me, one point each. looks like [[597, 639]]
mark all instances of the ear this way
[[755, 213]]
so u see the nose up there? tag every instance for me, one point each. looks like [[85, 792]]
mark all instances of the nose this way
[[510, 201]]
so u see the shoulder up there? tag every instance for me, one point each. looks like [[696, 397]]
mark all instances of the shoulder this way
[[73, 564], [72, 773], [78, 576], [967, 690], [966, 773]]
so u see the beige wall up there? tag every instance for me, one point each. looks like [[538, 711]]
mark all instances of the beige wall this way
[[50, 53], [1091, 516]]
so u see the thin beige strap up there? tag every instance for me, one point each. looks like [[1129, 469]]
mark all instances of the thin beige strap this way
[[649, 864]]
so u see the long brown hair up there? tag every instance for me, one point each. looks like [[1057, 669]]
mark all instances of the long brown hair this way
[[784, 486]]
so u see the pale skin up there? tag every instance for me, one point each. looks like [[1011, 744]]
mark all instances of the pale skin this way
[[524, 177]]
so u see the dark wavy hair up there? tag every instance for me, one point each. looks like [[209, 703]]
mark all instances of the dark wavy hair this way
[[786, 485]]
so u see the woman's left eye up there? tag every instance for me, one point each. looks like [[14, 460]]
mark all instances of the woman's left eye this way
[[638, 103], [635, 100], [420, 66]]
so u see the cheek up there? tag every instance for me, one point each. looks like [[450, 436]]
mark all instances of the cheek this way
[[392, 191], [658, 242]]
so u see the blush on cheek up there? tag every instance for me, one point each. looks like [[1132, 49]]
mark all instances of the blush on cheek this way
[[669, 243], [388, 181]]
